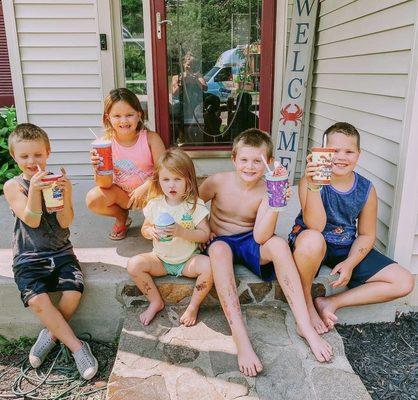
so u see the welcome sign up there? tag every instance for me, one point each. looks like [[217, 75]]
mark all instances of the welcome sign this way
[[299, 54]]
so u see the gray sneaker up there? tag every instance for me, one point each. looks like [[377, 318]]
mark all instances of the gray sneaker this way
[[42, 347], [86, 363]]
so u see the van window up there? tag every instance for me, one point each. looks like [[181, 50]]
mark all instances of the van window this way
[[225, 74]]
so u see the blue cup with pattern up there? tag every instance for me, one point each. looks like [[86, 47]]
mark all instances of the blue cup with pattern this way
[[164, 220]]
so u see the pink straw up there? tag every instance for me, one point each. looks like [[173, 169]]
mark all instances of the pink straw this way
[[265, 163]]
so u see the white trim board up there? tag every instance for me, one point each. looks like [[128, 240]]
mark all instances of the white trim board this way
[[146, 9], [106, 57], [405, 209], [15, 62]]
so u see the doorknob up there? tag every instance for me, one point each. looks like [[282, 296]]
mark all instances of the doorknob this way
[[160, 22]]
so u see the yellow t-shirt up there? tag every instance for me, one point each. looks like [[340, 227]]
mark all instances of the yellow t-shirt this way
[[177, 250]]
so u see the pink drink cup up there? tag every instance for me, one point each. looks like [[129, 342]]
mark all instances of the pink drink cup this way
[[276, 189], [104, 150], [322, 156], [54, 200]]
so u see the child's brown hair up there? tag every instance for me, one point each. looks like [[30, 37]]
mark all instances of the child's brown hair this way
[[28, 131], [254, 138], [178, 163], [120, 94], [346, 129]]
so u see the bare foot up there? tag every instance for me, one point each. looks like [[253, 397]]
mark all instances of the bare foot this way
[[326, 311], [190, 315], [248, 362], [316, 320], [321, 349], [148, 315]]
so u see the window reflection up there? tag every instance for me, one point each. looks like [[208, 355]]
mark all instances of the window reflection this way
[[215, 97]]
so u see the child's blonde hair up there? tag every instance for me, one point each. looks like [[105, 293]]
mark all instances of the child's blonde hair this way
[[253, 137], [28, 131], [178, 163], [120, 94]]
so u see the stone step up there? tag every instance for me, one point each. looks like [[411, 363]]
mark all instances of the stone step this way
[[251, 290], [167, 361]]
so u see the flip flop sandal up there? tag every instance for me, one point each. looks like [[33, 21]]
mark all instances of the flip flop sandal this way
[[119, 232]]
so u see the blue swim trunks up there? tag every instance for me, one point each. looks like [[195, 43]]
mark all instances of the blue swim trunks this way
[[368, 267], [246, 251]]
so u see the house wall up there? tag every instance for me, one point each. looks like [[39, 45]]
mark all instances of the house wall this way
[[362, 62], [57, 43]]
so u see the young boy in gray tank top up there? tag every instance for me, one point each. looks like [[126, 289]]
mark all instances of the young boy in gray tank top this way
[[43, 257], [337, 227]]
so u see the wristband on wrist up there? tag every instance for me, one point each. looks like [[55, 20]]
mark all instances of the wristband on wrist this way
[[314, 189], [33, 213]]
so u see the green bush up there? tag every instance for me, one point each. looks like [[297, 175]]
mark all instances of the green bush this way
[[8, 167]]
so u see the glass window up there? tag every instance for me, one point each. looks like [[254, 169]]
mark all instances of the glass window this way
[[133, 46], [213, 51]]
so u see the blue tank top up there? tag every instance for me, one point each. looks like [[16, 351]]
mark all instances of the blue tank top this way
[[46, 241], [342, 210]]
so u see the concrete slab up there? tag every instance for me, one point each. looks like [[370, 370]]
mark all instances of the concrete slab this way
[[200, 362]]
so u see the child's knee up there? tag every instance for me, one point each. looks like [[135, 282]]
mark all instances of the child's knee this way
[[37, 303], [71, 296], [311, 243], [135, 266], [92, 199], [406, 283], [277, 245], [219, 249]]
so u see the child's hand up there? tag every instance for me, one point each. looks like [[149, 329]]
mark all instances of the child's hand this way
[[95, 159], [311, 169], [153, 232], [136, 197], [174, 230], [64, 183], [204, 246], [345, 270], [289, 193], [36, 181]]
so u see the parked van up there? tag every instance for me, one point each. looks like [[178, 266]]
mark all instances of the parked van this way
[[220, 79]]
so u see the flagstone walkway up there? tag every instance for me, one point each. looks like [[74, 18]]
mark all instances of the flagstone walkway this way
[[167, 361]]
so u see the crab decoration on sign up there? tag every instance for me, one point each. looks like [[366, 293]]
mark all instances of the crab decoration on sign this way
[[294, 116]]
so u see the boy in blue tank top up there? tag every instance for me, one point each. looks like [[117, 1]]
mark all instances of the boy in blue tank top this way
[[43, 256], [337, 227]]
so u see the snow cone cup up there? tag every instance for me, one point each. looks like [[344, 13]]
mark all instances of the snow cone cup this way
[[322, 156], [163, 221], [53, 197], [104, 150], [276, 189]]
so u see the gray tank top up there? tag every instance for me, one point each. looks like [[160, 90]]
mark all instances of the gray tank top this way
[[36, 244]]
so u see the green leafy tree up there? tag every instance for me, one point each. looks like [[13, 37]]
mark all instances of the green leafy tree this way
[[8, 167]]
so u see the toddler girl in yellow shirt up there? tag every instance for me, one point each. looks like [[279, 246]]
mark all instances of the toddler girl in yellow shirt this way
[[177, 221]]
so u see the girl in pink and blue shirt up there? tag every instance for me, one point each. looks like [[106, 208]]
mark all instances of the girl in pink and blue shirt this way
[[134, 150]]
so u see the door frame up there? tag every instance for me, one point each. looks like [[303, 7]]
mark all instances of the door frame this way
[[160, 72]]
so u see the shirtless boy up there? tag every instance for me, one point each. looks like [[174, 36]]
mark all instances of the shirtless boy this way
[[242, 226]]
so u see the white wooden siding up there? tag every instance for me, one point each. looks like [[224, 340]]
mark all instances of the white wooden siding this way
[[362, 61], [414, 258], [58, 45]]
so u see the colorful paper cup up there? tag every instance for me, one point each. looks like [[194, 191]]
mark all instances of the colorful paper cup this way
[[53, 197], [104, 150], [322, 156], [276, 189]]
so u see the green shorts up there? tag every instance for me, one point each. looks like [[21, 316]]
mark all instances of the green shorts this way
[[177, 269], [174, 269]]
